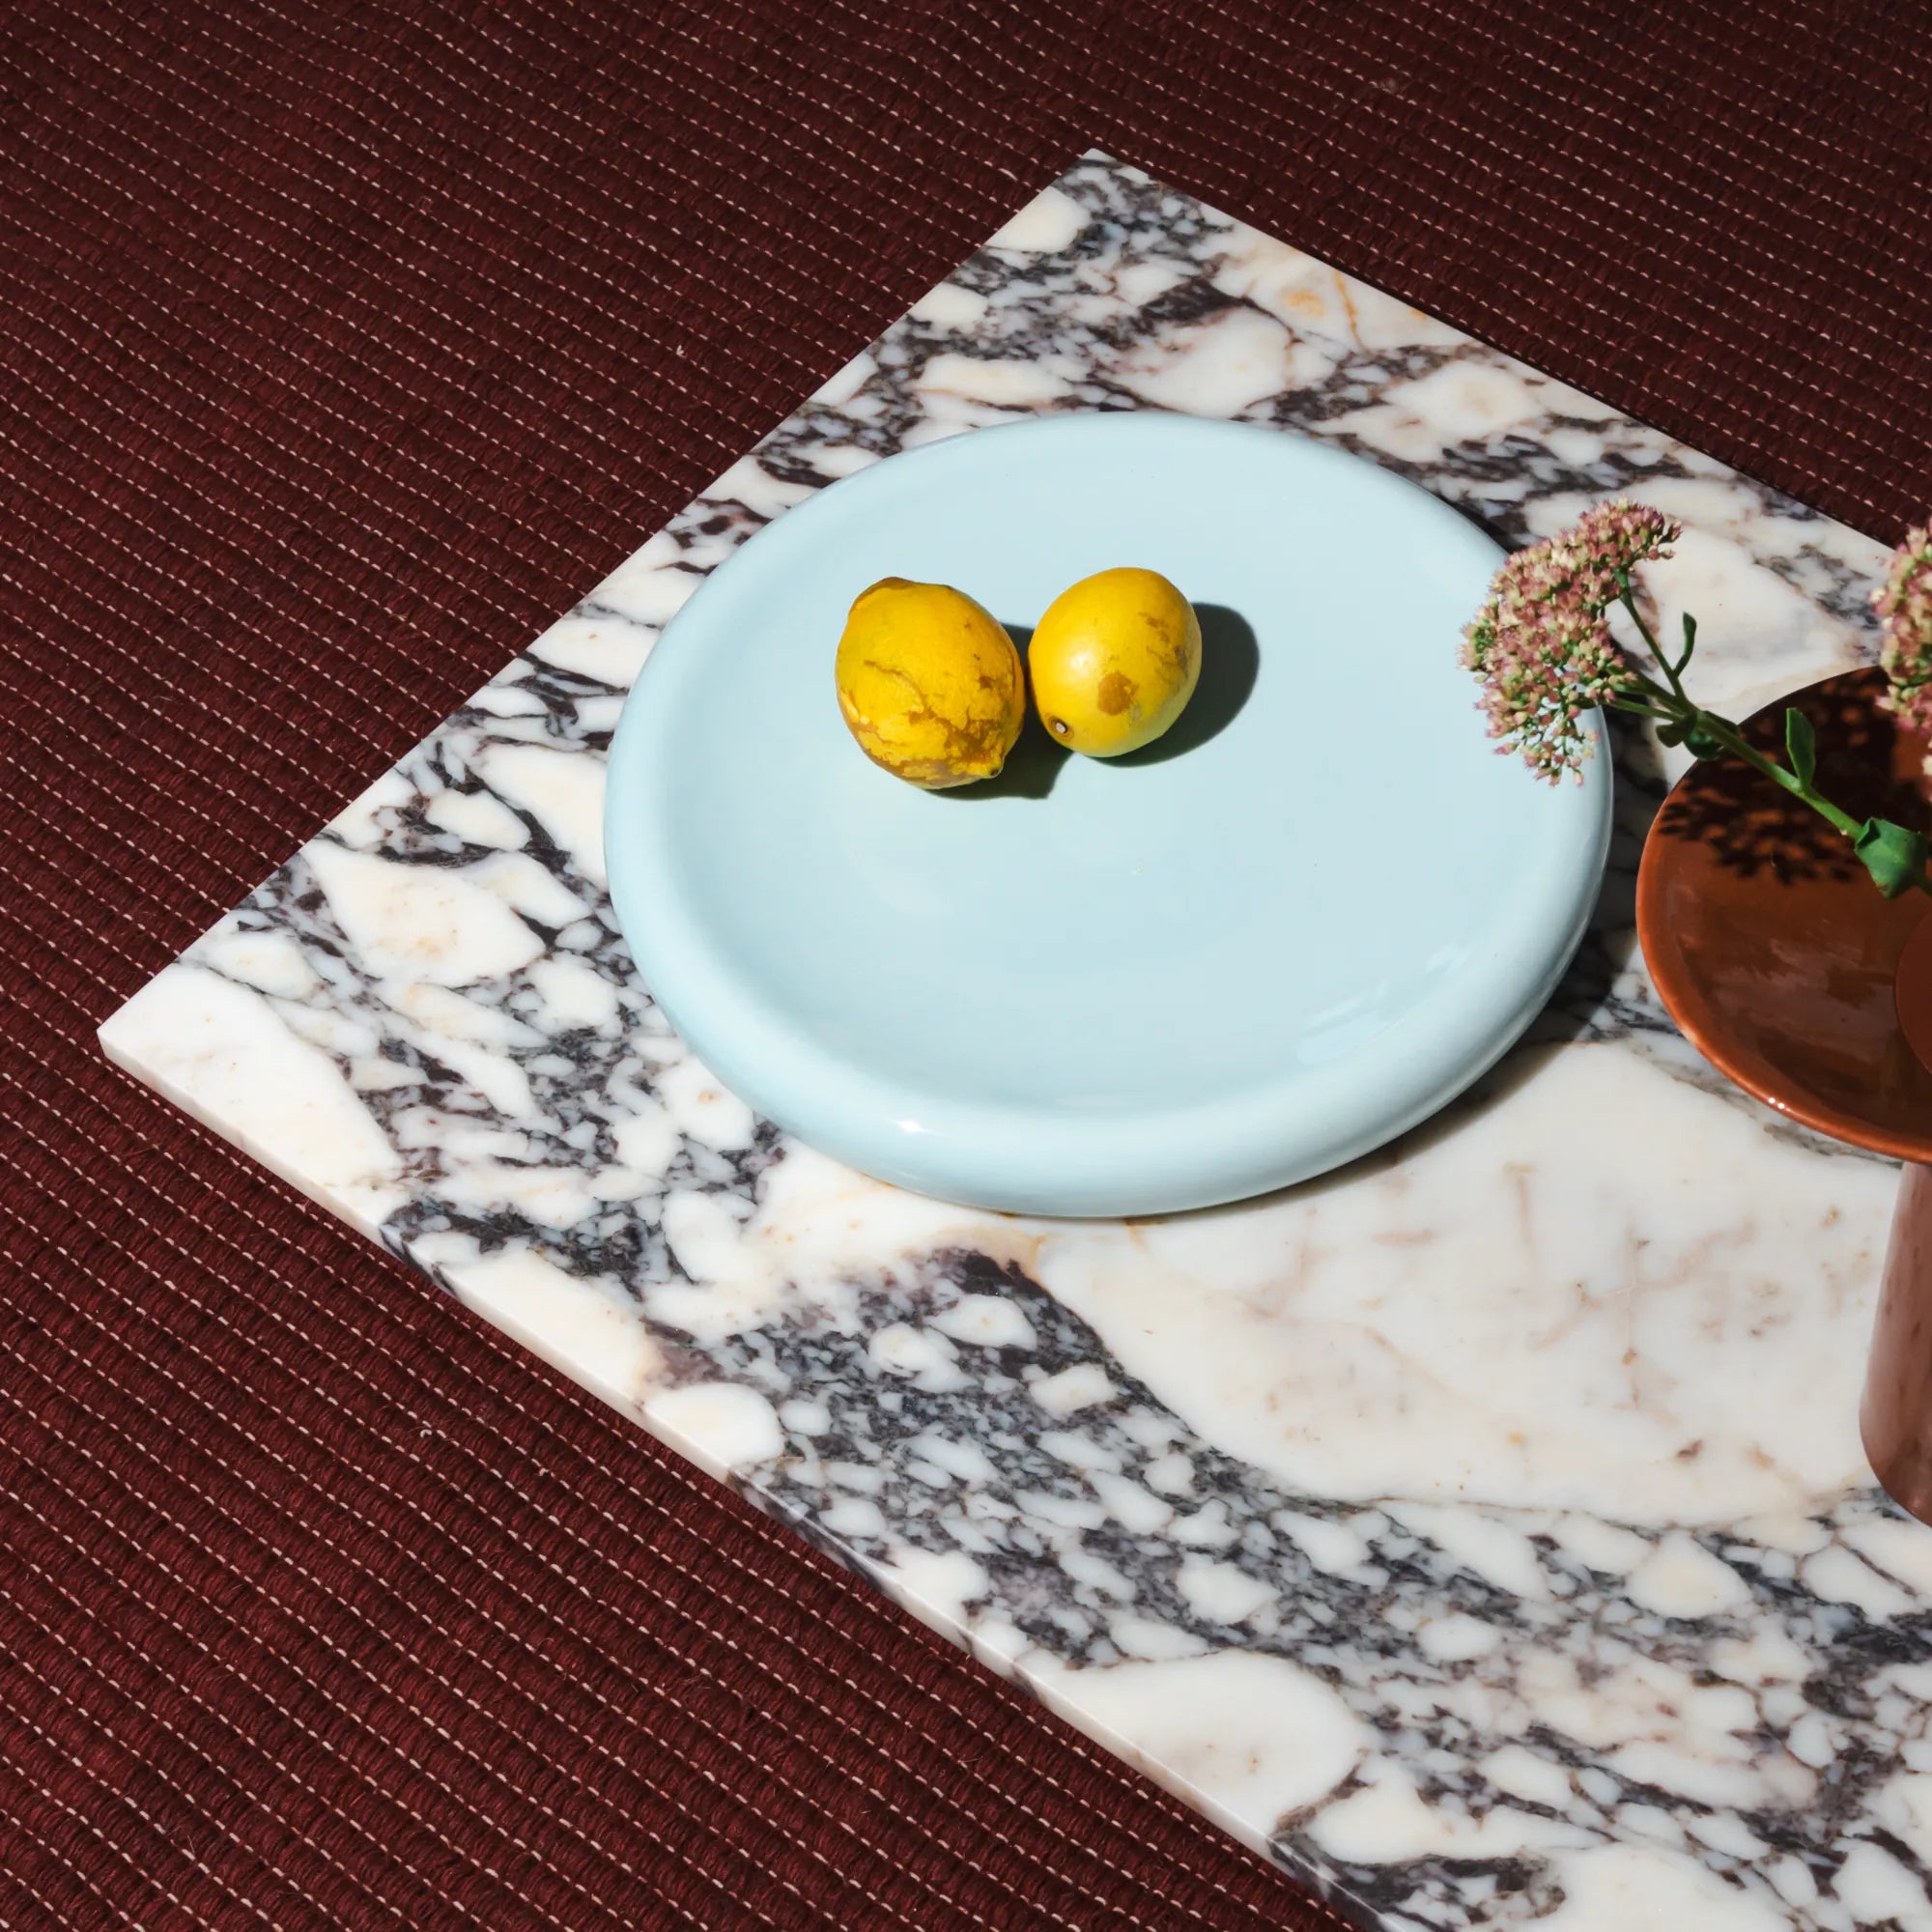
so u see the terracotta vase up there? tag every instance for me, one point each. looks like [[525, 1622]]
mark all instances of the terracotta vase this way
[[1777, 957]]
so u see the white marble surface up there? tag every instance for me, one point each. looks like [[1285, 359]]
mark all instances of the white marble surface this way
[[1481, 1530]]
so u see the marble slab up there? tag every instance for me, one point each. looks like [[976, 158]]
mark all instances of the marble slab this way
[[1482, 1530]]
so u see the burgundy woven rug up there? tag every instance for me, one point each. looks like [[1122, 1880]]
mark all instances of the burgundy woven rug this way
[[342, 346]]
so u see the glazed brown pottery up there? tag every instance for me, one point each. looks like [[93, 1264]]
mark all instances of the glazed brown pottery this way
[[1776, 955]]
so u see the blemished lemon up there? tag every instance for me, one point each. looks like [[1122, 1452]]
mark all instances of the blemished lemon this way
[[929, 684], [1114, 660]]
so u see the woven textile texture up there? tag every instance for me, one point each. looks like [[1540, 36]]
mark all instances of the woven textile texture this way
[[343, 347]]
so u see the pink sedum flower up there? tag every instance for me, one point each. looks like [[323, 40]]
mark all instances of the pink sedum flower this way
[[1542, 646], [1904, 606]]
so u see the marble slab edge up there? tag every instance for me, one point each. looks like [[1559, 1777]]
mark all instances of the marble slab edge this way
[[1482, 1531]]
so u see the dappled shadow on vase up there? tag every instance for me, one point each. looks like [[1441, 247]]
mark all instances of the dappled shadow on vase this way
[[1767, 939]]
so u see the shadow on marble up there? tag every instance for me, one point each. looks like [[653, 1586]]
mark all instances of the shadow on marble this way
[[1513, 1073]]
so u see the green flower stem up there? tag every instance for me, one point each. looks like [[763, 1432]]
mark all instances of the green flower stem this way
[[1680, 708], [1673, 706], [1673, 671], [1694, 718], [1542, 651]]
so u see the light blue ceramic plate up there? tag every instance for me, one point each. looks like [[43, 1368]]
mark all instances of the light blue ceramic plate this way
[[1269, 943]]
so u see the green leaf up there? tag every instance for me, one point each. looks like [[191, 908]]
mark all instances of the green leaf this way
[[1671, 733], [1689, 641], [1801, 744], [1894, 856], [1700, 744]]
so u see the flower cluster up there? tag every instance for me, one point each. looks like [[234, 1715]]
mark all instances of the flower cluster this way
[[1541, 645], [1904, 606]]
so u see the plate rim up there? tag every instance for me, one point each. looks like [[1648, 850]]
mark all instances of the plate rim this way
[[1206, 1151]]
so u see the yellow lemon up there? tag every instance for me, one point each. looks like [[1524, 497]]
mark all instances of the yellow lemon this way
[[930, 685], [1114, 660]]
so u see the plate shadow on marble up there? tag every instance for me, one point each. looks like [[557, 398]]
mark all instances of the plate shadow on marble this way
[[1642, 787], [1512, 1072], [1231, 662]]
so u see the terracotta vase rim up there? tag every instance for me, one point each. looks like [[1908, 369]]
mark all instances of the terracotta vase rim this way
[[1684, 995]]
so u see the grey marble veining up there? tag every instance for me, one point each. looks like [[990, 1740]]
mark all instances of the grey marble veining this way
[[1481, 1530]]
